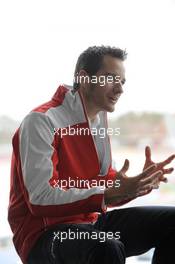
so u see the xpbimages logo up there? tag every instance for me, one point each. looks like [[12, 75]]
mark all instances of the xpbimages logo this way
[[85, 183], [102, 80], [81, 131], [72, 235]]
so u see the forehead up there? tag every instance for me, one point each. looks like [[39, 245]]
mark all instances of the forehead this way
[[113, 65]]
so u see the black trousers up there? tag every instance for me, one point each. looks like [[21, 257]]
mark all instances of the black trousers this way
[[116, 235]]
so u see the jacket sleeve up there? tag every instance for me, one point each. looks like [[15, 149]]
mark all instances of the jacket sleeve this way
[[35, 143]]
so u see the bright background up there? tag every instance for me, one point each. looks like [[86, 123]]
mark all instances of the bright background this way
[[40, 43], [41, 40]]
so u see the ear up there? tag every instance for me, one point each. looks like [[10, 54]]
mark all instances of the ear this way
[[83, 78]]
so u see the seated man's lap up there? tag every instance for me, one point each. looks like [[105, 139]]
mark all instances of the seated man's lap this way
[[71, 243], [141, 228], [138, 228]]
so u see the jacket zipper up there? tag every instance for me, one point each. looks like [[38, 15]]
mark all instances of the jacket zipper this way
[[90, 129]]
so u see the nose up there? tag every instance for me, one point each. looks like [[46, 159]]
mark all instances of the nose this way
[[118, 88]]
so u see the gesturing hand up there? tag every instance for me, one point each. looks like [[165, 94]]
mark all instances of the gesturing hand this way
[[132, 187], [160, 165]]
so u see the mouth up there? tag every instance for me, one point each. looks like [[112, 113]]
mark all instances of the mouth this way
[[114, 99]]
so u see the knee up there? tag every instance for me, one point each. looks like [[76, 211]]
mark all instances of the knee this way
[[115, 246], [112, 251]]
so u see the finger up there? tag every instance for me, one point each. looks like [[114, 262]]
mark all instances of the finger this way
[[168, 171], [150, 186], [151, 179], [146, 187], [125, 167], [148, 153], [147, 171], [141, 193], [165, 180], [167, 161], [156, 186]]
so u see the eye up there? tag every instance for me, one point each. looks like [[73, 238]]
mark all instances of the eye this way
[[110, 77]]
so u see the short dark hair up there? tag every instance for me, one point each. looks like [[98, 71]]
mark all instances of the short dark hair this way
[[91, 59]]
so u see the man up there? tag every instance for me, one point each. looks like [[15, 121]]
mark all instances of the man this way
[[58, 202]]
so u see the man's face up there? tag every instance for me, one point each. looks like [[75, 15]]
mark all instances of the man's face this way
[[106, 92]]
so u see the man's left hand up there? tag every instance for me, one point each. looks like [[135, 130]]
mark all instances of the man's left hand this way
[[159, 165]]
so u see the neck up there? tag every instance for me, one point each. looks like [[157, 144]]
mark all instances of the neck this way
[[91, 109]]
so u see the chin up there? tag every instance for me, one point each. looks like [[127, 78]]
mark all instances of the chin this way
[[110, 108]]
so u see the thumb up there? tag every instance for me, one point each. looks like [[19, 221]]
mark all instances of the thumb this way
[[125, 166]]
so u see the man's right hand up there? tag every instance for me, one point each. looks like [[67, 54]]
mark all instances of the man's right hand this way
[[132, 187]]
